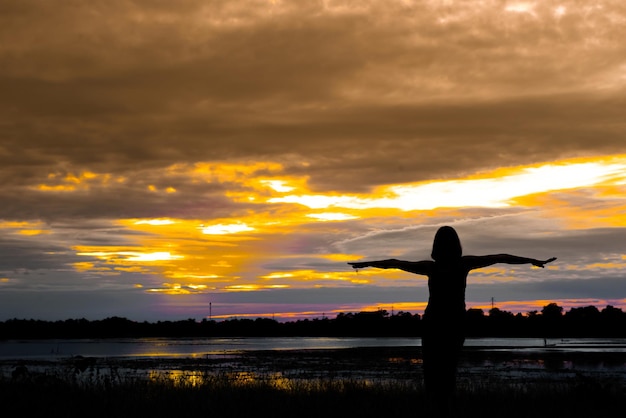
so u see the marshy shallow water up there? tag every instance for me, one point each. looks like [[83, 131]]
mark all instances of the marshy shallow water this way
[[379, 359], [512, 381]]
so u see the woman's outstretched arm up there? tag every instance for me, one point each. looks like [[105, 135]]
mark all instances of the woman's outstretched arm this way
[[476, 262], [417, 267]]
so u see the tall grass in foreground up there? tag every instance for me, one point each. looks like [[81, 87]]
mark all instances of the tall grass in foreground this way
[[223, 396]]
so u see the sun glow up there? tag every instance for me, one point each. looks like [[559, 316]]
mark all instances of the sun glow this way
[[278, 185], [224, 229], [330, 216], [129, 256], [154, 222], [268, 247], [497, 189], [522, 7], [157, 256]]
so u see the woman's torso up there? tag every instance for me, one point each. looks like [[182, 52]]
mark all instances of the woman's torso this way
[[446, 285]]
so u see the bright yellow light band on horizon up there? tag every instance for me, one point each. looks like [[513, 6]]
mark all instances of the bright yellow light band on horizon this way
[[493, 190], [133, 255]]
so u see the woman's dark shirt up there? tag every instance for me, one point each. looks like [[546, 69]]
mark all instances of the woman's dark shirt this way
[[446, 284]]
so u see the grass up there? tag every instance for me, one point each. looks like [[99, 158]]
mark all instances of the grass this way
[[67, 393], [318, 383]]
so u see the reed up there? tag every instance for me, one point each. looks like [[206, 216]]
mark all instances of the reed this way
[[114, 394]]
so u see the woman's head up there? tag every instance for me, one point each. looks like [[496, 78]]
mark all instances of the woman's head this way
[[446, 245]]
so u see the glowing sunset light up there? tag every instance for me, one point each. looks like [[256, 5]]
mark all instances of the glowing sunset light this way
[[25, 228], [56, 188], [522, 7], [33, 231], [560, 11], [187, 275], [323, 202], [198, 286], [278, 276], [223, 229], [154, 222], [157, 256], [278, 185], [243, 287], [330, 216], [132, 255], [490, 192]]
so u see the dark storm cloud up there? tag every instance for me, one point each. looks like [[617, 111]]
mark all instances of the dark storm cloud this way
[[112, 204], [359, 91], [24, 255]]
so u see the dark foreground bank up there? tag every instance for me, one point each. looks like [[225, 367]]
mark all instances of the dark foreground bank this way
[[315, 383]]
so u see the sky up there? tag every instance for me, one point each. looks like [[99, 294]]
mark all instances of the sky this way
[[165, 160]]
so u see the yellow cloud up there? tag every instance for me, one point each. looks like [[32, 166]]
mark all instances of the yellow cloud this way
[[304, 278], [226, 254], [155, 256], [72, 182], [278, 185], [341, 257], [331, 216], [33, 232], [496, 189], [56, 188], [224, 229], [154, 222], [278, 276], [27, 228], [133, 269], [253, 287]]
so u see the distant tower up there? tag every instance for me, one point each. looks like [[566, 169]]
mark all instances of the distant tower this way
[[210, 311], [492, 302]]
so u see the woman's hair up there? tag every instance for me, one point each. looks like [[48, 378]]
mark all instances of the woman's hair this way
[[446, 245]]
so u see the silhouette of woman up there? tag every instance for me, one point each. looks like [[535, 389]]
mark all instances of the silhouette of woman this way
[[443, 333]]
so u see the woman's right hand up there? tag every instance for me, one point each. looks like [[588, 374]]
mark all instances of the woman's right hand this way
[[360, 265]]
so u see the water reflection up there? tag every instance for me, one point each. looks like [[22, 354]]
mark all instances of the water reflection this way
[[285, 363], [190, 378]]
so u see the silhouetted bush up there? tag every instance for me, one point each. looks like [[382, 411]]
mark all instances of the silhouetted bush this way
[[586, 321]]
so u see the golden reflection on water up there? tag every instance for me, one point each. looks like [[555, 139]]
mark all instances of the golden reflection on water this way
[[177, 377], [187, 378], [401, 360]]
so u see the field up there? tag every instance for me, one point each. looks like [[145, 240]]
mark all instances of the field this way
[[315, 383]]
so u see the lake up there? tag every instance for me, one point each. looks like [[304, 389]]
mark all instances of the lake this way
[[508, 359], [206, 347]]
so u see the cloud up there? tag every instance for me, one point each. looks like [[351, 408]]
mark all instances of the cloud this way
[[211, 114], [132, 85]]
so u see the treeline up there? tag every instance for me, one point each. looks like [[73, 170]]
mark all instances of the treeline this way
[[550, 322]]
